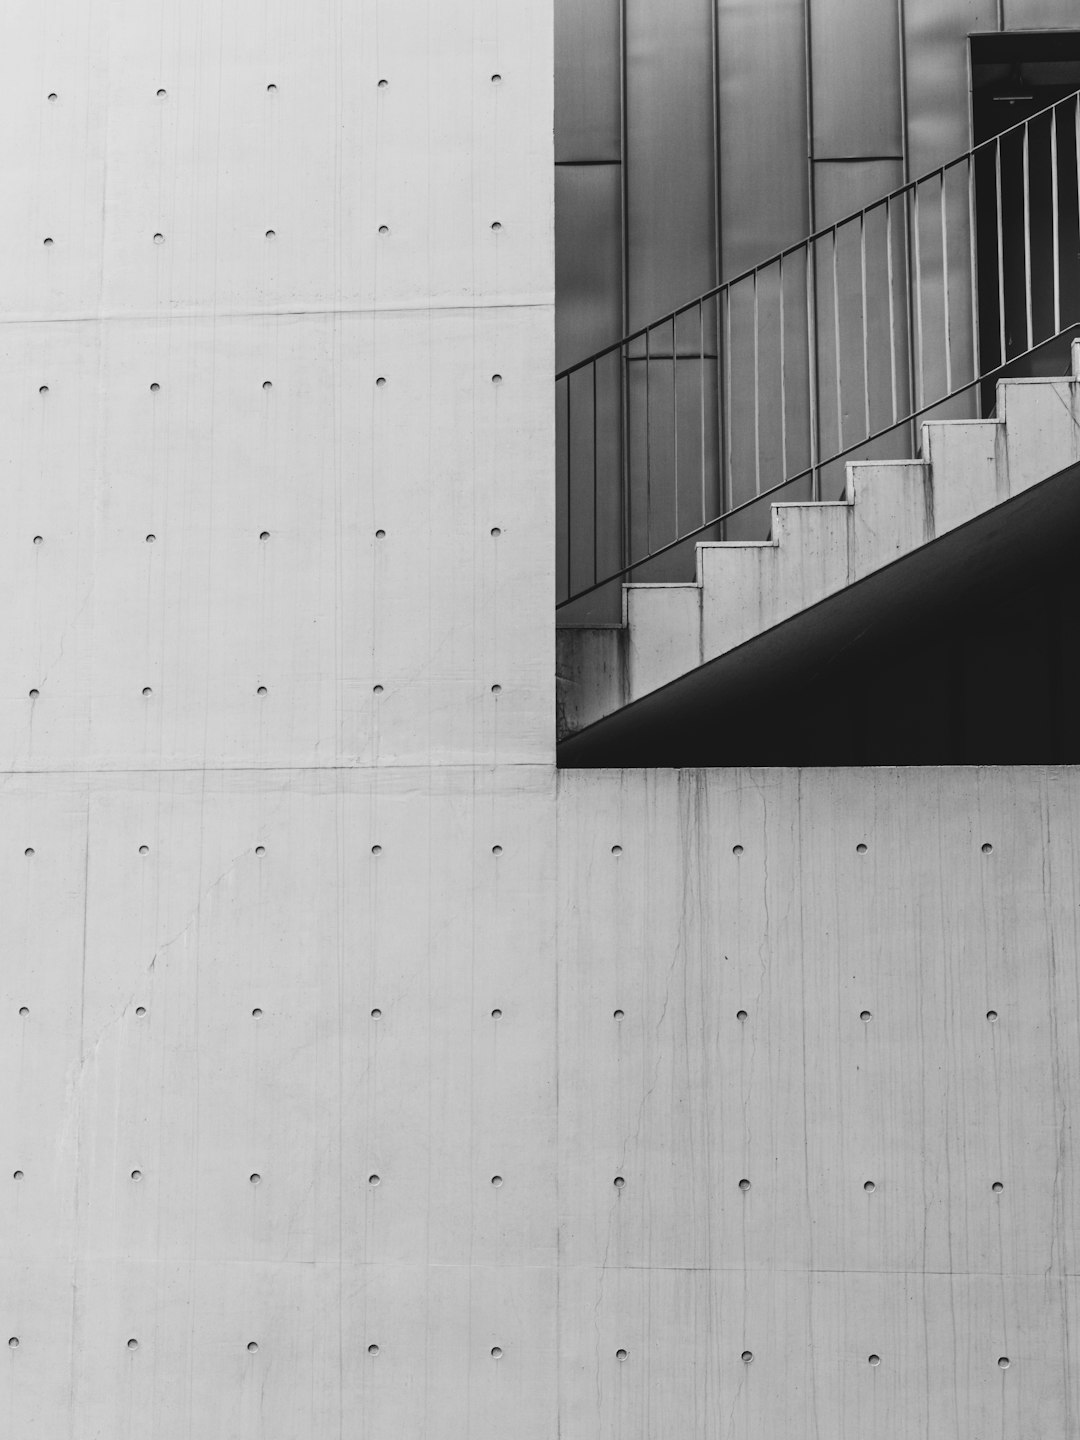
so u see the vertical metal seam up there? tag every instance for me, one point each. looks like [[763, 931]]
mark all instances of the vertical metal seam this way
[[808, 71], [624, 171], [718, 213], [718, 221], [624, 298], [905, 151]]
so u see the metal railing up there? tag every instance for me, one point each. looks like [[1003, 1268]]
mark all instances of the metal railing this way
[[836, 348]]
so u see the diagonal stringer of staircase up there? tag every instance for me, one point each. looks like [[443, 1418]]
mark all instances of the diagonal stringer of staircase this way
[[826, 568]]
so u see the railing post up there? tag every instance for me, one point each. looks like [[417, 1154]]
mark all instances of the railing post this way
[[976, 364], [812, 367]]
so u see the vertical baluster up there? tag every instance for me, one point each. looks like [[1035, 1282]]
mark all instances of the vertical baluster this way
[[812, 366], [675, 416], [1054, 218], [625, 454], [701, 401], [920, 379], [757, 396], [892, 305], [648, 446], [783, 378], [728, 484], [976, 366], [1027, 238], [569, 495], [865, 326], [595, 483], [836, 345], [1000, 252], [945, 286]]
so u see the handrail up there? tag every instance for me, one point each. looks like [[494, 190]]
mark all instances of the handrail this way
[[856, 332]]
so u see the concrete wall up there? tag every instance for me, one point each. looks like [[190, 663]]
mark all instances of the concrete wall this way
[[290, 979], [819, 981], [176, 1022]]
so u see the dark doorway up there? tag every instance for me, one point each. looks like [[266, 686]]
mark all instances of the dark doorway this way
[[1026, 199]]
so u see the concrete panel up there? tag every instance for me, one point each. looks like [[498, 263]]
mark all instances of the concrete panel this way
[[968, 469], [323, 609], [324, 158], [891, 513], [273, 1014], [137, 1154], [664, 630], [1042, 428], [786, 977]]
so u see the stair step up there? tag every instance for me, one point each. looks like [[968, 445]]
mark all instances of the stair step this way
[[891, 509]]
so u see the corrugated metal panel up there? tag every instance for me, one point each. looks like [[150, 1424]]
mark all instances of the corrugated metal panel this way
[[1033, 14], [855, 48], [936, 46], [841, 188], [764, 200], [588, 259], [671, 161], [587, 80]]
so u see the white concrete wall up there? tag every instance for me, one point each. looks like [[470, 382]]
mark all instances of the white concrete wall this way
[[140, 972], [927, 898]]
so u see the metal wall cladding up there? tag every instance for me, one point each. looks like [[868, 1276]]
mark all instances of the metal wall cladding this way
[[588, 81], [722, 111], [855, 64], [797, 1184], [588, 259], [936, 71], [1037, 14], [761, 69], [747, 125], [670, 159]]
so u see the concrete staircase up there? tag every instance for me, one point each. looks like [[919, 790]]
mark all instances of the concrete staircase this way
[[746, 592]]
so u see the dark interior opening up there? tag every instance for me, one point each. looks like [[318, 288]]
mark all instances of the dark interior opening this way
[[1028, 286]]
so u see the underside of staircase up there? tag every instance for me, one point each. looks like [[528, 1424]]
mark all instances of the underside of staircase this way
[[699, 672]]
